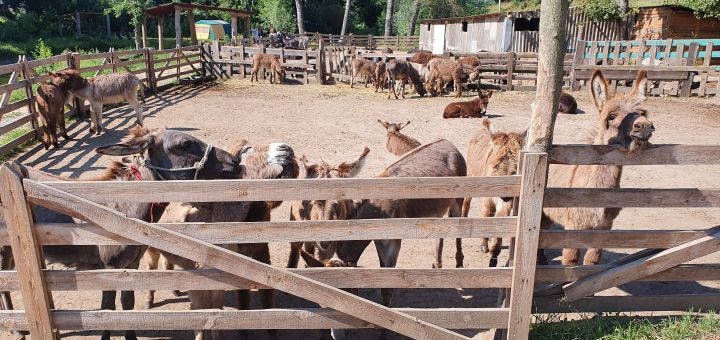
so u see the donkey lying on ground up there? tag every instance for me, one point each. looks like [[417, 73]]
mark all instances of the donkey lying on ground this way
[[103, 89], [490, 154], [567, 104], [317, 210], [268, 62], [623, 122], [437, 159], [51, 99], [403, 71], [398, 143], [276, 160], [475, 108]]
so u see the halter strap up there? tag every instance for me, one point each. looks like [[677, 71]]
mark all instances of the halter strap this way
[[142, 161]]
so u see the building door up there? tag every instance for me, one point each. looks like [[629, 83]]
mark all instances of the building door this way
[[438, 44]]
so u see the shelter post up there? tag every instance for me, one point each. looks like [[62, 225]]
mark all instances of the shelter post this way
[[160, 32], [107, 24], [233, 30], [246, 26], [191, 22], [178, 28], [143, 27]]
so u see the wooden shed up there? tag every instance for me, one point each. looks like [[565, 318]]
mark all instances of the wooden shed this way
[[503, 32], [673, 22]]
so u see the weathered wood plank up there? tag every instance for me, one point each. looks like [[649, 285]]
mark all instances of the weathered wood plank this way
[[302, 318], [15, 123], [205, 279], [558, 239], [27, 253], [632, 198], [27, 136], [688, 272], [293, 189], [239, 265], [290, 231], [654, 155], [534, 172], [597, 304], [643, 267]]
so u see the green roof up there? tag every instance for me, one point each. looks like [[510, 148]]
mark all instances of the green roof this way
[[212, 22]]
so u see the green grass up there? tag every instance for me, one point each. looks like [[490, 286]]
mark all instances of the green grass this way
[[619, 327], [10, 49]]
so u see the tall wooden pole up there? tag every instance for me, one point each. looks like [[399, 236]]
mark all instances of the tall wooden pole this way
[[191, 22], [549, 77], [160, 32], [178, 27], [233, 30]]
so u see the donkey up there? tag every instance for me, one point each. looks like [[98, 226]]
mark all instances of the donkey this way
[[469, 109], [403, 71], [380, 76], [365, 68], [275, 160], [267, 62], [567, 104], [103, 89], [489, 154], [623, 122], [397, 142], [437, 159], [316, 210], [170, 155], [51, 99], [442, 71]]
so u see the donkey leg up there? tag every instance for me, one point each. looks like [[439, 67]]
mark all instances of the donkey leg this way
[[63, 129], [267, 295], [495, 247], [456, 210], [388, 252], [592, 256], [108, 303], [438, 253], [570, 257], [152, 258], [133, 101]]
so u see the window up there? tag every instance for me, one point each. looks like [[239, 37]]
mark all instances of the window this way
[[464, 26], [527, 24], [428, 27]]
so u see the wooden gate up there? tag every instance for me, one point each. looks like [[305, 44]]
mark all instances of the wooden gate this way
[[22, 188]]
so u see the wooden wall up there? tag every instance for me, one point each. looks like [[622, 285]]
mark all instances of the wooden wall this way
[[673, 23]]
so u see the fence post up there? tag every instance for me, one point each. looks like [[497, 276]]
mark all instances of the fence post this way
[[371, 42], [686, 89], [320, 63], [577, 61], [510, 71], [150, 69], [532, 189], [397, 42], [27, 253], [79, 104], [113, 59], [31, 98]]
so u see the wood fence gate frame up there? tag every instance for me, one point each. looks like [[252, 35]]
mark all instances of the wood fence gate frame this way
[[24, 189]]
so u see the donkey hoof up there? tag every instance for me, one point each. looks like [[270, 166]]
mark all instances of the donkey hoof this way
[[437, 265], [177, 293], [148, 304], [484, 249]]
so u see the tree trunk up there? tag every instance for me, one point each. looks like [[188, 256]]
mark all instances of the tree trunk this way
[[413, 17], [389, 17], [549, 77], [346, 18], [138, 37], [300, 16], [623, 7]]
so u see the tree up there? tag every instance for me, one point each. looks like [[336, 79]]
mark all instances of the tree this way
[[346, 17], [276, 13], [300, 16], [389, 17], [136, 10], [703, 8], [413, 17]]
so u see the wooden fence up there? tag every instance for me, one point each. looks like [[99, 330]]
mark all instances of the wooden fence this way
[[322, 286], [677, 67], [662, 261], [17, 96]]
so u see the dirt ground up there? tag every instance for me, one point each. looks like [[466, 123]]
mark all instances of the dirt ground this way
[[334, 122]]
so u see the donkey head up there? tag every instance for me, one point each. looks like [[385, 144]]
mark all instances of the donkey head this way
[[393, 127], [623, 117], [483, 100], [175, 155], [70, 78]]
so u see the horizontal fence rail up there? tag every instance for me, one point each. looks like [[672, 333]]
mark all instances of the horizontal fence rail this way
[[659, 154]]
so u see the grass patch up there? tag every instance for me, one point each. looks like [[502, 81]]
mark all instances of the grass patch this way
[[619, 327]]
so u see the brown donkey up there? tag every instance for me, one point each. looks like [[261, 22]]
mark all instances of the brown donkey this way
[[623, 122], [397, 142], [490, 154], [317, 210], [469, 109]]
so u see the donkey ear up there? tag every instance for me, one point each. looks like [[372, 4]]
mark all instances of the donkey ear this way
[[599, 89], [640, 87], [311, 260], [401, 126], [489, 93], [123, 149], [350, 169], [384, 124]]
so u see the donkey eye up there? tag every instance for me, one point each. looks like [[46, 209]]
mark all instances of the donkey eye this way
[[612, 116], [185, 144]]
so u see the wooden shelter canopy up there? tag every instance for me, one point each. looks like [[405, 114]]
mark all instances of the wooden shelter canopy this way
[[165, 9]]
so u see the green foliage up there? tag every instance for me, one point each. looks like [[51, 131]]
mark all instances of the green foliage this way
[[601, 10], [618, 327], [277, 13], [703, 8], [134, 8], [42, 51]]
